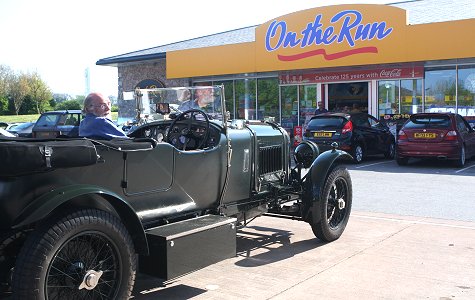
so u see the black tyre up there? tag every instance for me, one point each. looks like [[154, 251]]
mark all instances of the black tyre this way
[[10, 245], [391, 151], [402, 161], [358, 153], [86, 255], [335, 205], [460, 162]]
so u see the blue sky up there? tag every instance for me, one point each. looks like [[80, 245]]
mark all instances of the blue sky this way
[[59, 39]]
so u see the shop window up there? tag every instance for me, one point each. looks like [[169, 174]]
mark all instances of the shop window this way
[[268, 99], [440, 90], [228, 95], [466, 92], [411, 96], [245, 91], [388, 97], [308, 103], [289, 117]]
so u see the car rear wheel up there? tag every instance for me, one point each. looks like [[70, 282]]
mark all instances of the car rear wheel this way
[[86, 255], [460, 162], [357, 154], [335, 205], [402, 161], [389, 154]]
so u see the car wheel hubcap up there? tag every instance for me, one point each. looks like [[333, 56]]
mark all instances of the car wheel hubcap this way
[[90, 280], [359, 153]]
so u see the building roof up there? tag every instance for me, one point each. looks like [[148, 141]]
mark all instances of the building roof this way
[[440, 11]]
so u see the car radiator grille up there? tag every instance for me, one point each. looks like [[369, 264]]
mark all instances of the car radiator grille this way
[[270, 159]]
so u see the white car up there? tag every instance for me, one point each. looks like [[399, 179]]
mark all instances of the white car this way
[[3, 132], [12, 125]]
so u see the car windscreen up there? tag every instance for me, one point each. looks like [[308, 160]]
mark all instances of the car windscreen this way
[[47, 120], [146, 104], [425, 122], [326, 122]]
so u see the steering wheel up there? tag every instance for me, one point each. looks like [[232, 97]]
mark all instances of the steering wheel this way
[[182, 137]]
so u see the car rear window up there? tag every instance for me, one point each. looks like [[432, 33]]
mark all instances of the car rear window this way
[[417, 122], [326, 122]]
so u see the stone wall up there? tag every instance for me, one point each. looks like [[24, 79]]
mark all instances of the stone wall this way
[[131, 75]]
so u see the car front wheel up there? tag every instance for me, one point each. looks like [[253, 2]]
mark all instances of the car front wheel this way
[[335, 205], [86, 255]]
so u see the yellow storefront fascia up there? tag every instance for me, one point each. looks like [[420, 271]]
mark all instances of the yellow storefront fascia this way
[[229, 59], [404, 43]]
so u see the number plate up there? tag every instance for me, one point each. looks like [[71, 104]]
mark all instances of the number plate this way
[[323, 134], [425, 135]]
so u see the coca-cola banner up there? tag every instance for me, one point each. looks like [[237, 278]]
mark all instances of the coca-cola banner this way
[[353, 75]]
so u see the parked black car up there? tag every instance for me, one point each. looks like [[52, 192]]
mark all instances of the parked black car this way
[[75, 212], [58, 123], [360, 134]]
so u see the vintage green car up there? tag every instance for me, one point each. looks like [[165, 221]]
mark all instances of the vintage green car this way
[[79, 216]]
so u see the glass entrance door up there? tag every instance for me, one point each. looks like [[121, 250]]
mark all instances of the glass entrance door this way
[[348, 97]]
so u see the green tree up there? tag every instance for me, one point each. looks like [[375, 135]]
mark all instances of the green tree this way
[[6, 75], [39, 92], [19, 88], [68, 105], [28, 106]]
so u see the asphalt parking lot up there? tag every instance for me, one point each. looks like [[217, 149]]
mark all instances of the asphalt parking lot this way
[[434, 189], [411, 235]]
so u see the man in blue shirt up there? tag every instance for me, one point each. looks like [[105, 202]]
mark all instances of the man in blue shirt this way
[[97, 122]]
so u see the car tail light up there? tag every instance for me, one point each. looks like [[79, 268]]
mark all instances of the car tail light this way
[[401, 135], [348, 127], [451, 136]]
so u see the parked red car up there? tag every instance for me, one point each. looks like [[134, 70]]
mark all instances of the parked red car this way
[[436, 135]]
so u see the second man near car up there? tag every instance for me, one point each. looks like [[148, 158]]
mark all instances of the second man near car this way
[[321, 108]]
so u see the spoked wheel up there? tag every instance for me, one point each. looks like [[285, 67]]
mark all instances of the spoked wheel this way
[[335, 205], [86, 255]]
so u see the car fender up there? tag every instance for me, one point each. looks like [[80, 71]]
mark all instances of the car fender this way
[[44, 205], [360, 140], [316, 176]]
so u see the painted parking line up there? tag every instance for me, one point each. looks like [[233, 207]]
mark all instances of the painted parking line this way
[[461, 170], [374, 164], [424, 221]]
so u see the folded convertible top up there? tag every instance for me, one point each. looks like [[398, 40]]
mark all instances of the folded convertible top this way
[[31, 156]]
